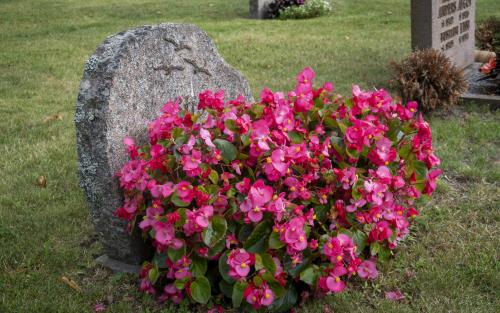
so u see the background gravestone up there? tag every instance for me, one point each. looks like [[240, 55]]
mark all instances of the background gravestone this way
[[446, 25], [125, 84], [258, 8]]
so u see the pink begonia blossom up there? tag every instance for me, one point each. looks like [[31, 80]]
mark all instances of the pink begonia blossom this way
[[395, 295], [259, 296], [367, 270], [240, 262]]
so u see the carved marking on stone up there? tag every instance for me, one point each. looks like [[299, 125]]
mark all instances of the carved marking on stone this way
[[196, 67], [169, 69], [178, 46]]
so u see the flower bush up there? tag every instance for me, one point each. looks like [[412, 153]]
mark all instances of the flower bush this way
[[258, 202], [310, 9]]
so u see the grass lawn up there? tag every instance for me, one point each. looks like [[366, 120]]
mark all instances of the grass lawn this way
[[451, 263]]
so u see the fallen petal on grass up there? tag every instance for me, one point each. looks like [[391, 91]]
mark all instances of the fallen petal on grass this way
[[395, 295]]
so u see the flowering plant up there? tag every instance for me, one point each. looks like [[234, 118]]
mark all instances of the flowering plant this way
[[256, 200]]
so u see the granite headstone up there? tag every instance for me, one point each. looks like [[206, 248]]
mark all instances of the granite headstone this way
[[446, 25], [258, 8], [125, 83]]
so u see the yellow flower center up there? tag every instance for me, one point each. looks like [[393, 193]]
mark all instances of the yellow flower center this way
[[269, 160], [339, 258], [297, 149], [256, 209], [337, 279], [243, 265], [267, 296], [293, 188]]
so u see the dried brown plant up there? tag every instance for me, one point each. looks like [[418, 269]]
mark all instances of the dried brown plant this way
[[430, 78]]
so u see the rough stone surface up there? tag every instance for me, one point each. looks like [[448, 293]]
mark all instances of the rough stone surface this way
[[258, 8], [446, 25], [124, 85]]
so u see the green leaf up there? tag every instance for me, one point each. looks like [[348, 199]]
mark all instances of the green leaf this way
[[175, 255], [295, 137], [275, 242], [245, 139], [226, 288], [177, 202], [245, 232], [214, 176], [213, 251], [159, 260], [153, 275], [215, 231], [360, 239], [310, 275], [200, 290], [231, 125], [384, 253], [374, 248], [237, 295], [228, 150], [258, 240], [267, 262], [224, 269], [198, 265], [257, 110], [286, 302], [295, 271]]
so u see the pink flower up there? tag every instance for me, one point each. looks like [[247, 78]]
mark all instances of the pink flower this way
[[304, 99], [209, 100], [347, 177], [261, 134], [185, 191], [203, 214], [395, 295], [306, 76], [380, 232], [191, 163], [131, 147], [152, 216], [260, 194], [333, 282], [275, 167], [205, 135], [258, 297], [367, 270], [431, 182], [239, 262], [294, 234], [407, 112], [383, 154], [99, 307]]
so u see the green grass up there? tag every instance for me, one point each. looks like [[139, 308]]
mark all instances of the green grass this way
[[450, 264]]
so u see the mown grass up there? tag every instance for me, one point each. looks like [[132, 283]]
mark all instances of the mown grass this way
[[450, 264]]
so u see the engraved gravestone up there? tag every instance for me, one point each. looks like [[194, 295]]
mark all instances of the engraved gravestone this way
[[258, 8], [446, 25], [124, 85]]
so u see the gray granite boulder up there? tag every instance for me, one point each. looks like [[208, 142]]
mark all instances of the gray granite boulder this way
[[125, 83]]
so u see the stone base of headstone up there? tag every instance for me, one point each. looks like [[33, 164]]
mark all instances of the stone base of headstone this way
[[117, 266], [480, 91]]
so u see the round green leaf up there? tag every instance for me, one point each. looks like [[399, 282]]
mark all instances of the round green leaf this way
[[200, 290], [228, 150]]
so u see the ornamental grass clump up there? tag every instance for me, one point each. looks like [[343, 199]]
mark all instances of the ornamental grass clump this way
[[258, 202], [430, 78]]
